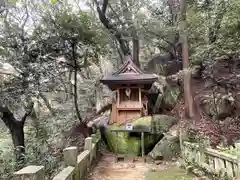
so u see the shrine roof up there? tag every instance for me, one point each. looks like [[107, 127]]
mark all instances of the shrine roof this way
[[128, 73]]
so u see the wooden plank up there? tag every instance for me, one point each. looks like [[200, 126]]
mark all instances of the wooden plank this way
[[142, 143], [113, 114], [137, 108], [131, 87], [118, 97], [140, 97], [134, 130], [116, 150]]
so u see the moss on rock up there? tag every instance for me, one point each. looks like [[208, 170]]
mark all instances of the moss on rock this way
[[121, 142], [146, 120], [126, 144], [170, 97], [166, 148], [162, 123]]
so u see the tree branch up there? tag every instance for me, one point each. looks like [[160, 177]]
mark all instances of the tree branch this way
[[213, 31], [78, 66], [119, 36], [158, 35], [104, 7], [25, 20], [7, 116], [75, 83], [29, 109]]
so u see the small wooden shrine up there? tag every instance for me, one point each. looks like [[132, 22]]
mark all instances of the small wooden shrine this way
[[131, 85]]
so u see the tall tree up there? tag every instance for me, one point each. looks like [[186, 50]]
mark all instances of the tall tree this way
[[188, 98], [35, 59], [16, 128], [117, 18]]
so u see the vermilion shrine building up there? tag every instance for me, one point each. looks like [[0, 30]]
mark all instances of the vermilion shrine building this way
[[131, 84]]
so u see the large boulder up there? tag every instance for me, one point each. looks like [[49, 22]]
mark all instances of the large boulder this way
[[164, 64], [167, 148], [121, 142], [219, 107], [170, 97], [162, 123], [130, 143]]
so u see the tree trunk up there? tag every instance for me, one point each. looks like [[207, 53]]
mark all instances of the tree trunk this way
[[16, 128], [188, 99], [70, 82], [75, 83], [76, 90], [69, 88], [132, 27], [76, 97], [113, 29], [136, 50], [17, 133]]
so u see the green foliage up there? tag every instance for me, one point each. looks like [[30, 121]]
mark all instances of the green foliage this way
[[33, 45], [44, 141], [220, 17], [122, 143], [171, 96]]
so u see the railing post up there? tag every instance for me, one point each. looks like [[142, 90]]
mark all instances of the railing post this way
[[70, 159], [88, 146], [237, 145], [98, 146], [95, 149], [206, 142], [181, 142], [202, 146], [94, 138], [202, 153], [30, 173]]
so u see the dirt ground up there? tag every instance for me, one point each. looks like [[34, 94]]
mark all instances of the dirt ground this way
[[107, 169]]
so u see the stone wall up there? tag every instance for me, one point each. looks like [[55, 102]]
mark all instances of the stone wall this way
[[77, 166], [211, 161]]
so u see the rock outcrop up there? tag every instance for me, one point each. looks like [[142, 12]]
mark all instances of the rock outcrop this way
[[167, 148], [163, 96], [130, 143]]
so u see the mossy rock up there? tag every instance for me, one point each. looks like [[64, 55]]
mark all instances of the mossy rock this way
[[121, 142], [170, 97], [162, 123], [126, 144], [158, 123], [167, 148]]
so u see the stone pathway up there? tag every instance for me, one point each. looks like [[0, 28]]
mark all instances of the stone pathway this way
[[107, 169]]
